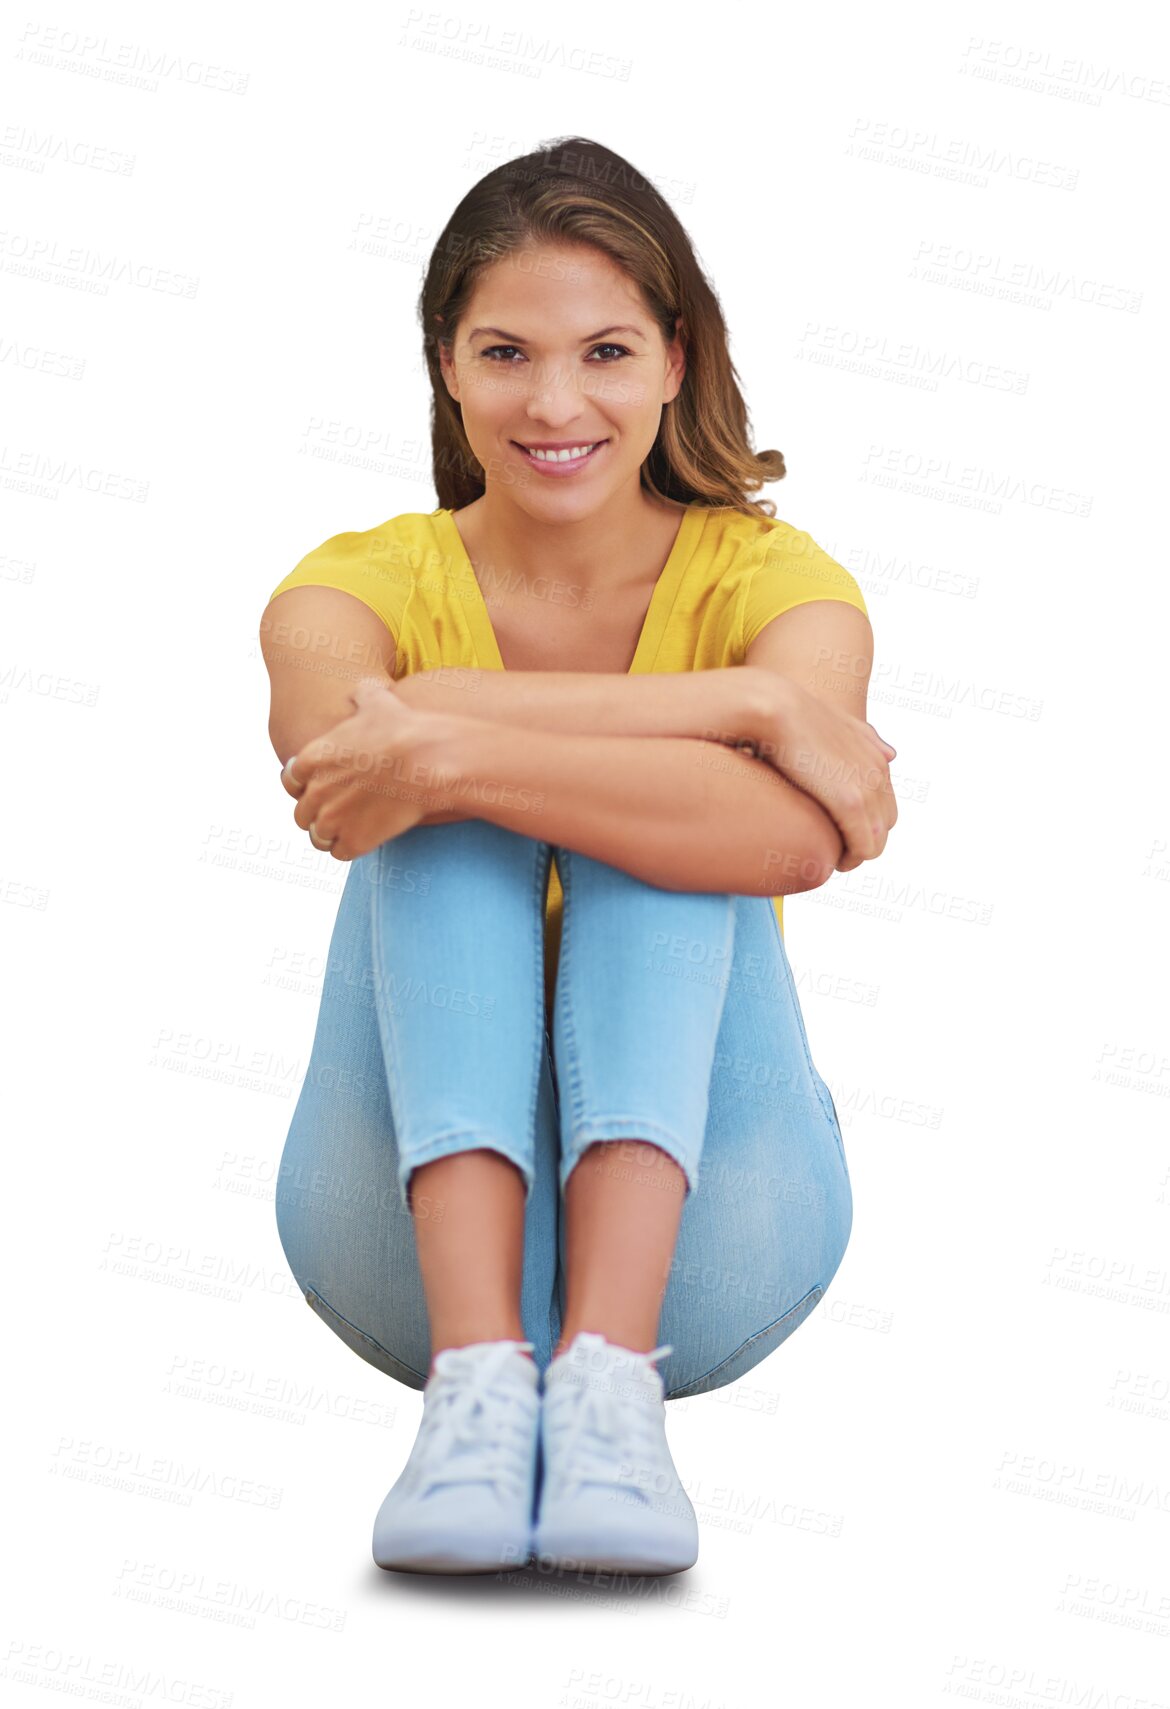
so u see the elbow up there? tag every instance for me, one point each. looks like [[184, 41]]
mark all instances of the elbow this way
[[805, 864], [820, 874], [277, 739], [816, 869], [827, 847], [280, 737]]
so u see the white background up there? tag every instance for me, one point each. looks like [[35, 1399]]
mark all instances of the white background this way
[[945, 279]]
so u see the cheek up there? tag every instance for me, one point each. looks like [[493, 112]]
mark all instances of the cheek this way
[[490, 394], [629, 401]]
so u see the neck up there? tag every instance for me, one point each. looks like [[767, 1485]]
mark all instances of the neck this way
[[627, 539]]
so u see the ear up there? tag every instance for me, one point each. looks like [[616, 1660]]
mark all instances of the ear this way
[[447, 366], [676, 363]]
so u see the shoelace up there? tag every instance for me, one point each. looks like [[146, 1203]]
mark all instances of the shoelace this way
[[590, 1423], [453, 1447]]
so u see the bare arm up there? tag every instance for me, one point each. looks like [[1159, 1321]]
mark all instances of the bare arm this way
[[683, 810], [318, 643], [679, 812], [820, 655], [736, 704]]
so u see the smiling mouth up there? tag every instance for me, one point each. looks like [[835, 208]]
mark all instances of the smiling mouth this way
[[572, 457]]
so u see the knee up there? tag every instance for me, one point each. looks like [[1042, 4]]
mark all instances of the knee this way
[[681, 1382], [290, 1225]]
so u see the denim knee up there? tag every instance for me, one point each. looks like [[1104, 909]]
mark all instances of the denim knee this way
[[457, 931], [641, 983]]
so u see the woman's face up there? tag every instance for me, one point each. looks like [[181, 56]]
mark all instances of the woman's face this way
[[557, 349]]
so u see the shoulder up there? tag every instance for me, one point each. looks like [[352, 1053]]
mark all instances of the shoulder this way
[[781, 566], [378, 564], [749, 568], [740, 545], [767, 547]]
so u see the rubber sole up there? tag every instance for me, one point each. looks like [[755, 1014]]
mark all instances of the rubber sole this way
[[613, 1563], [594, 1551], [449, 1565], [454, 1554]]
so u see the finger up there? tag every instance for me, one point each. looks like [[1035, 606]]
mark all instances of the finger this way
[[864, 814], [856, 826], [336, 813], [311, 812], [321, 751], [882, 808], [368, 686], [874, 775], [885, 746], [885, 814], [330, 838], [887, 805], [318, 799]]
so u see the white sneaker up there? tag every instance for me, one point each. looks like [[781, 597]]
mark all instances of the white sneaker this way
[[610, 1497], [463, 1501]]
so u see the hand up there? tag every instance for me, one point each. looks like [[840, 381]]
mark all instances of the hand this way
[[843, 763], [370, 777]]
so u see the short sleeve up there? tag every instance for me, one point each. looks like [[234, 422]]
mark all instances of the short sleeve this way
[[366, 565], [792, 570]]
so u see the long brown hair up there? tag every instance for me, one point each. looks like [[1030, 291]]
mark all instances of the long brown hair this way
[[572, 190]]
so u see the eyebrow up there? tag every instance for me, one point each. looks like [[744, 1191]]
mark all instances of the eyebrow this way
[[514, 338]]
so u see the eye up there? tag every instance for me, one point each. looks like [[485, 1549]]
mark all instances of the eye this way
[[492, 353]]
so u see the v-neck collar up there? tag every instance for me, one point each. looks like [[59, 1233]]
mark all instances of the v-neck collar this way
[[657, 612]]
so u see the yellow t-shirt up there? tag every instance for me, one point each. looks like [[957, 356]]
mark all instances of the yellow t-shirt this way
[[726, 577]]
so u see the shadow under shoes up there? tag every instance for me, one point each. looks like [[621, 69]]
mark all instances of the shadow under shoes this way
[[463, 1501], [610, 1496]]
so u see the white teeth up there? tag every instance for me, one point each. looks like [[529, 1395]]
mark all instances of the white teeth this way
[[562, 456]]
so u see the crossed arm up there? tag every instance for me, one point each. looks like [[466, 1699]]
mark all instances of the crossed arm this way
[[645, 772]]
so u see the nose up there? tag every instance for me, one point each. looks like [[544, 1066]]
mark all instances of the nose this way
[[554, 393]]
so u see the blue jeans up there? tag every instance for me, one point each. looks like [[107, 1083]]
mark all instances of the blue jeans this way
[[675, 1020]]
